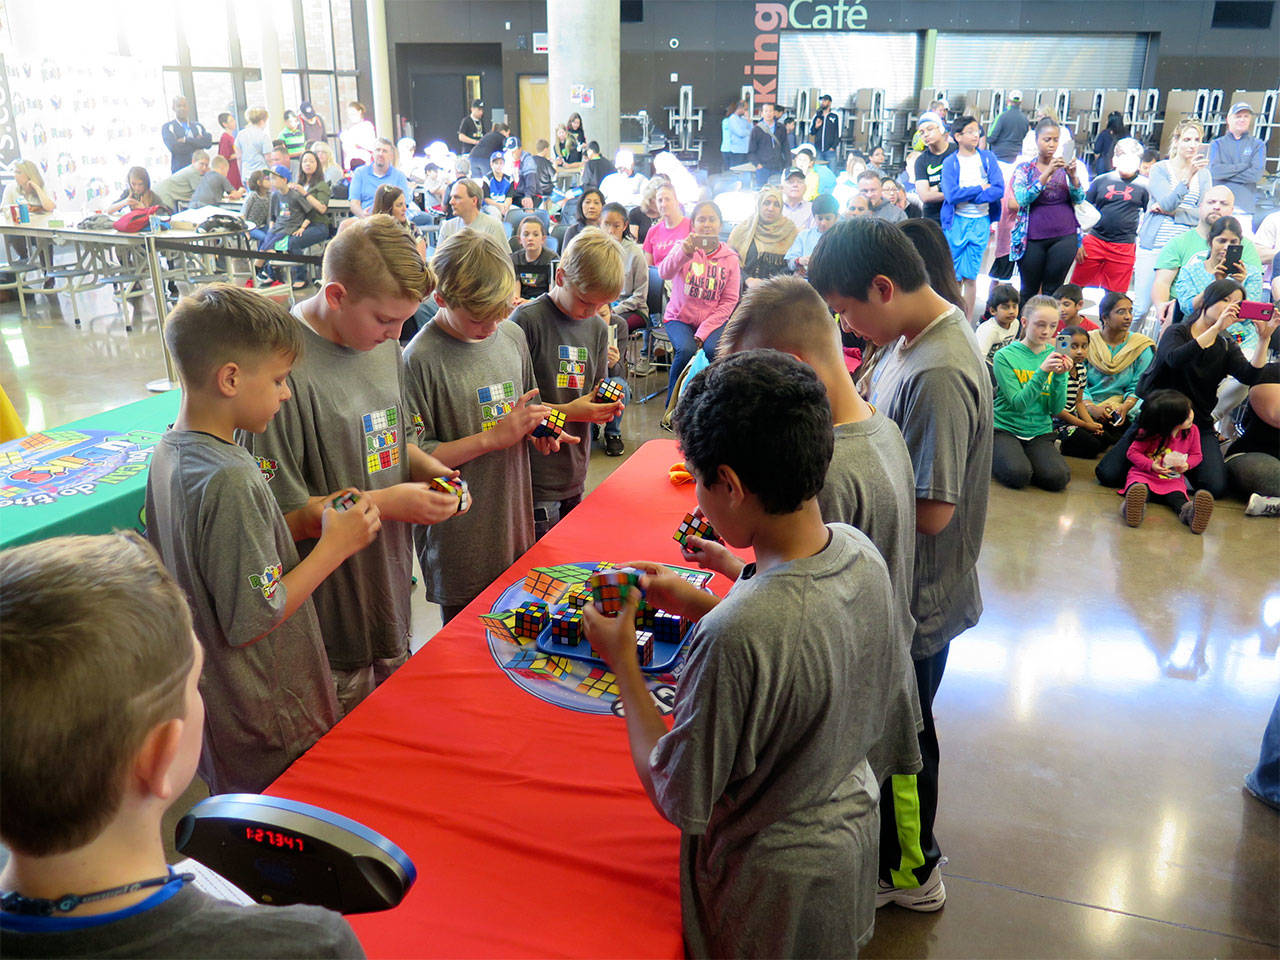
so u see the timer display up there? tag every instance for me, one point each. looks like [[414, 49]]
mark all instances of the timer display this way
[[273, 839]]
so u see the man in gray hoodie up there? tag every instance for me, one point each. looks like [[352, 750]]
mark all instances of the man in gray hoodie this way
[[1236, 158]]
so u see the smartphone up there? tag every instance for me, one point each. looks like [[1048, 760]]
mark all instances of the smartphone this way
[[1234, 252], [706, 244], [1203, 151], [1064, 343], [1256, 310], [1069, 151], [613, 336]]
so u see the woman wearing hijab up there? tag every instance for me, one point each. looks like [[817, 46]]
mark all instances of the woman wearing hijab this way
[[763, 239]]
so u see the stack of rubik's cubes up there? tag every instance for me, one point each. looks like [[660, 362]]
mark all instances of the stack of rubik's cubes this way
[[552, 425], [456, 486], [665, 627]]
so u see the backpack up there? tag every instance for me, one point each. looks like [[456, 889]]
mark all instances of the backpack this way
[[98, 221], [222, 221], [135, 221]]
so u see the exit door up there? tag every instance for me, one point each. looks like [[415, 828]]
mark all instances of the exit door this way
[[535, 111], [439, 102]]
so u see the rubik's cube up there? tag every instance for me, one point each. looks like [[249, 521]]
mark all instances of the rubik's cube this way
[[665, 627], [692, 526], [503, 625], [608, 589], [577, 595], [345, 501], [644, 650], [550, 583], [552, 425], [455, 485], [566, 626], [608, 392], [531, 618]]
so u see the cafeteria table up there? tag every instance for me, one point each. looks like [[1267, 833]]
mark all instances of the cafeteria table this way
[[527, 823], [85, 477]]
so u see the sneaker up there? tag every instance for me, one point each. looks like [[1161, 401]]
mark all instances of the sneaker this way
[[1260, 506], [612, 445], [923, 899], [1135, 504], [1197, 511]]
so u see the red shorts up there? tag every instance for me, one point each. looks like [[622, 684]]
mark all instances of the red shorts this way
[[1107, 265]]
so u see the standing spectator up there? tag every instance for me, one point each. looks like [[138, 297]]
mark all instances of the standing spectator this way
[[1236, 159], [928, 169], [767, 145], [1046, 235], [1105, 257], [824, 131], [313, 130], [1104, 146], [794, 206], [295, 141], [1004, 139], [595, 168], [227, 148], [735, 135], [183, 137], [465, 197], [972, 188], [471, 129], [763, 239], [624, 185], [359, 137], [869, 186], [485, 147], [252, 142], [370, 176]]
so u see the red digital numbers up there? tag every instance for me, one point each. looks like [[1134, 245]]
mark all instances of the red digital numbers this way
[[273, 839]]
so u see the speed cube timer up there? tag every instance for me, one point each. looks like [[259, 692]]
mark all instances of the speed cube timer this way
[[531, 618], [344, 501], [608, 589], [608, 392], [644, 650], [566, 626], [552, 425], [692, 526], [456, 486]]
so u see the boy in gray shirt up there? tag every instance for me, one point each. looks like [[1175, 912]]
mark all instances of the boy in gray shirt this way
[[783, 693], [267, 688], [933, 383], [214, 185]]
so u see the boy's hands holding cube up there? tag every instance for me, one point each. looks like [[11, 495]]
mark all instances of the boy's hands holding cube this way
[[351, 528], [416, 502], [585, 408], [614, 637], [667, 590], [707, 553], [519, 422]]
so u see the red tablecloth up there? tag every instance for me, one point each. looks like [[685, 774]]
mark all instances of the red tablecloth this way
[[529, 829]]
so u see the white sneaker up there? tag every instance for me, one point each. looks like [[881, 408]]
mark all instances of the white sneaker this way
[[923, 899], [1260, 506]]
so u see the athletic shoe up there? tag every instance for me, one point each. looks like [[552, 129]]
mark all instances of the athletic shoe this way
[[924, 899], [1197, 511], [1135, 504], [612, 445], [1260, 506]]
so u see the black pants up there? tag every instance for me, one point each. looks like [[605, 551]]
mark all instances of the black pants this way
[[909, 804], [1175, 500], [1015, 463], [1083, 444], [1210, 474], [1045, 263]]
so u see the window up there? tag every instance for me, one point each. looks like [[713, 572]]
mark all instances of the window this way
[[1243, 14], [205, 29], [215, 94], [284, 21], [344, 44], [324, 100], [319, 30], [346, 93]]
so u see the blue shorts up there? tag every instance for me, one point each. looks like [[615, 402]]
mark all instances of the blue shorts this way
[[967, 237]]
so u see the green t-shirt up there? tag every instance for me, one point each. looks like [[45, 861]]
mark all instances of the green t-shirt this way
[[1027, 398], [294, 140], [1175, 254]]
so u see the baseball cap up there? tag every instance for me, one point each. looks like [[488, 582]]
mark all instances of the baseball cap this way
[[306, 109], [929, 117], [281, 170], [806, 148], [794, 172], [825, 96], [1240, 107], [511, 143], [496, 155], [1015, 94], [477, 103]]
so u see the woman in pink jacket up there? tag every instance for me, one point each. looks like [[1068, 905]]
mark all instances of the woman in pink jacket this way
[[704, 275]]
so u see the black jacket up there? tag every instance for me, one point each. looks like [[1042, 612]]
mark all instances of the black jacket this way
[[770, 153]]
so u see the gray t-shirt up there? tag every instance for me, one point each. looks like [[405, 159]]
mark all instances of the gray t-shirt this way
[[254, 143], [454, 390], [180, 187], [938, 391], [345, 427], [215, 526], [483, 223], [765, 768], [569, 358], [211, 189], [189, 924]]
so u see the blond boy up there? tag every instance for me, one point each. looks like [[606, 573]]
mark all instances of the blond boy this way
[[211, 517], [346, 427], [100, 729], [214, 185], [569, 345]]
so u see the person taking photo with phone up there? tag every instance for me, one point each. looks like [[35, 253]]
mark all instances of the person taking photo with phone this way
[[1223, 259]]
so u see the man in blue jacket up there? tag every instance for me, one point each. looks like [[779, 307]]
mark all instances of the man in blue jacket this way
[[1236, 159], [183, 137], [972, 188]]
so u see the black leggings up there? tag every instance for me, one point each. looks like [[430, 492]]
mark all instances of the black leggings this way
[[1015, 463], [1045, 263], [1210, 474]]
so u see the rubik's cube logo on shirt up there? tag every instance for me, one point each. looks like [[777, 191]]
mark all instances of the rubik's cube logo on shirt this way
[[268, 467], [381, 440], [573, 367], [267, 581], [496, 401]]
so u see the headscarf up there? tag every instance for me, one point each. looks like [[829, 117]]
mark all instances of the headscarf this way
[[1101, 358], [775, 238]]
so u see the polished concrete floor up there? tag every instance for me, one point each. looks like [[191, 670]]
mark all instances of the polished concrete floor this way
[[1095, 725]]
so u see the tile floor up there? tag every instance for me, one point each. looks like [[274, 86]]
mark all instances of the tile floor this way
[[1095, 725]]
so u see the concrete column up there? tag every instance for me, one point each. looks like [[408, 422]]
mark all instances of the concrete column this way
[[272, 81], [384, 120], [582, 37]]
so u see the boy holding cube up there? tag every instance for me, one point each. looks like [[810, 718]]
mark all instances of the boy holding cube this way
[[569, 344], [783, 693], [346, 428]]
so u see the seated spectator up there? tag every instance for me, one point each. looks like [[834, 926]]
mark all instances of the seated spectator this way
[[370, 176], [227, 148], [261, 206], [632, 303], [534, 262], [794, 206], [624, 185], [686, 185], [595, 167], [304, 219], [435, 186], [1105, 257], [876, 160], [663, 234], [215, 185], [391, 201], [1253, 460], [498, 188], [1236, 160], [617, 375], [175, 192], [762, 240], [333, 174], [1116, 360], [465, 198], [525, 171], [1211, 264], [279, 154], [1079, 435], [847, 182], [137, 194], [253, 143], [566, 154], [1070, 301], [642, 216], [893, 193], [1164, 450], [858, 206], [816, 179], [1194, 358], [825, 215], [1002, 327], [544, 171], [1031, 388], [590, 209], [878, 207], [102, 719], [359, 138], [704, 275], [479, 157]]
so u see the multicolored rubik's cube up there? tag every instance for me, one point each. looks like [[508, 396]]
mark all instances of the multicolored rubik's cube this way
[[552, 425], [344, 501], [608, 589], [692, 526], [531, 618], [608, 392], [576, 596], [566, 626], [455, 485], [644, 650]]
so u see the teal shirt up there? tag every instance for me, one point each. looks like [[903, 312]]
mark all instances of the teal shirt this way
[[1027, 398], [1101, 385]]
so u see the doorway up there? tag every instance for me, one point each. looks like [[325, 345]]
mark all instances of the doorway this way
[[535, 111], [436, 83], [435, 107]]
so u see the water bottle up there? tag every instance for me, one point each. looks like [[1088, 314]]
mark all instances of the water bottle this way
[[24, 210]]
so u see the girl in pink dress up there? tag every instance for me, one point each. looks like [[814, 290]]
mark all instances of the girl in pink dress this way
[[1167, 446]]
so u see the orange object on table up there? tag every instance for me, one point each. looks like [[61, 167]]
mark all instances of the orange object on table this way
[[529, 828]]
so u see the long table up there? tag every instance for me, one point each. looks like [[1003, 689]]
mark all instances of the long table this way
[[85, 477], [529, 828]]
